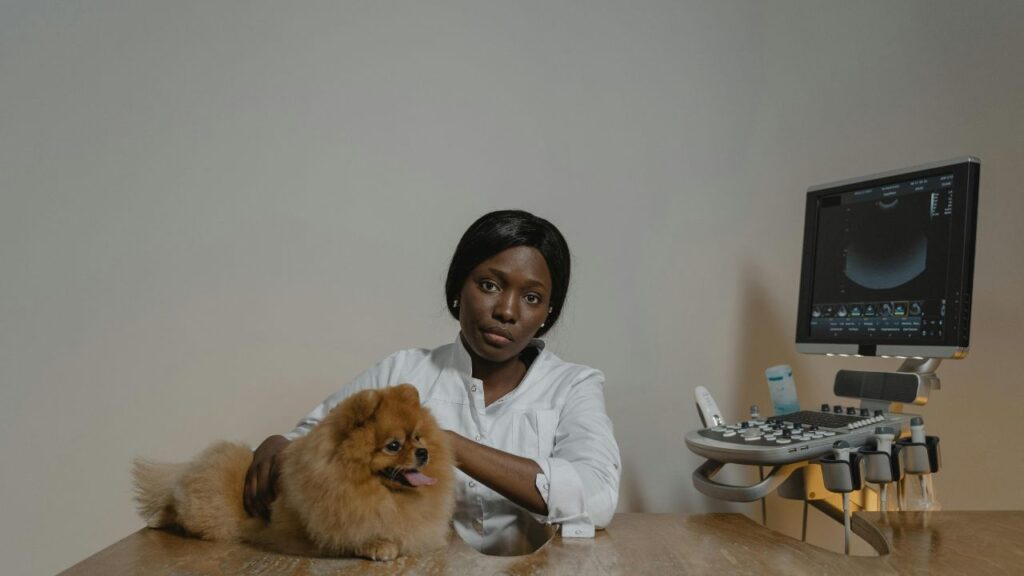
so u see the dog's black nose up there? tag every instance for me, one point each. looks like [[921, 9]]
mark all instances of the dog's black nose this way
[[421, 456]]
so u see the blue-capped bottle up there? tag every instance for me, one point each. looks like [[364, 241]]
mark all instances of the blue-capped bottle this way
[[782, 389]]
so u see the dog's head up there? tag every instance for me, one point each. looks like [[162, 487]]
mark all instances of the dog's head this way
[[377, 464], [388, 435]]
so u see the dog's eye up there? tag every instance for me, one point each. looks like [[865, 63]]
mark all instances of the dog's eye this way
[[393, 446]]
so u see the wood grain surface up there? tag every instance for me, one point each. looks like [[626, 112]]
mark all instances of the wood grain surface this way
[[960, 543]]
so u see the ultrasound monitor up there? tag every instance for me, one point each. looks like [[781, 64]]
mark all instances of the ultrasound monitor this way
[[888, 263]]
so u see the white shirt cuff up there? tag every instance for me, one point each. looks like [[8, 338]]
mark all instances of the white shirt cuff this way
[[560, 486]]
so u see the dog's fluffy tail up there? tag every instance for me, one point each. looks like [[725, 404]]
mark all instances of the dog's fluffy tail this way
[[203, 497], [154, 484]]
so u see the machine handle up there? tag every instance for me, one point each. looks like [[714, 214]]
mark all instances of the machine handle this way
[[702, 480]]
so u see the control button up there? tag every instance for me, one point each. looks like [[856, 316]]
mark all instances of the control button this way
[[837, 409], [783, 440], [744, 425], [828, 433], [770, 437], [752, 437], [864, 412], [719, 429], [851, 411], [879, 413], [825, 407], [728, 434]]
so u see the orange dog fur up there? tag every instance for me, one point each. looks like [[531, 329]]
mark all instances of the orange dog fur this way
[[357, 484]]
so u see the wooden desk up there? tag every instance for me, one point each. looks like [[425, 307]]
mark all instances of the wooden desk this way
[[955, 543]]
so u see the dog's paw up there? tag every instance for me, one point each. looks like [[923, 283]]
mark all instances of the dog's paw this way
[[379, 550]]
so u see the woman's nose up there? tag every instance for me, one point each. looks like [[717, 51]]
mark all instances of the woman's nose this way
[[505, 308]]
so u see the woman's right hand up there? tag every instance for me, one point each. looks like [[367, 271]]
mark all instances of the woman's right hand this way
[[261, 479]]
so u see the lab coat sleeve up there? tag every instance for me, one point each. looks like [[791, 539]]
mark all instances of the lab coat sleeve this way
[[580, 479]]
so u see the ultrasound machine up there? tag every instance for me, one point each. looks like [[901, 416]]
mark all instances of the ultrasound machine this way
[[887, 270]]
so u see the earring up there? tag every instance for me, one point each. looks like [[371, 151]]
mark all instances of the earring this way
[[542, 324], [455, 303]]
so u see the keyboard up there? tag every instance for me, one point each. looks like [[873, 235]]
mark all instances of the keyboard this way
[[803, 435]]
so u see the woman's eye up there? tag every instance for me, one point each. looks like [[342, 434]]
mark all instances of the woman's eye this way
[[533, 299], [489, 286], [393, 446]]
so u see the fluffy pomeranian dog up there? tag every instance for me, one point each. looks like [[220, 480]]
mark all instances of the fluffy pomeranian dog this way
[[375, 479]]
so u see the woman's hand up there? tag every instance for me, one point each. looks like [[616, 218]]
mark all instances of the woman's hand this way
[[261, 479]]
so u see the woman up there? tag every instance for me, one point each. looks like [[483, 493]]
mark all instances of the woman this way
[[530, 431]]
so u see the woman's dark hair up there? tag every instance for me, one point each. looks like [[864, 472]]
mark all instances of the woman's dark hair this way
[[498, 231]]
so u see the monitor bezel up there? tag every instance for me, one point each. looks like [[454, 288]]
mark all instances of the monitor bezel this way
[[956, 339]]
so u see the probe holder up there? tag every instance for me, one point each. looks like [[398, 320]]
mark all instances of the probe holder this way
[[839, 475], [881, 467], [920, 458]]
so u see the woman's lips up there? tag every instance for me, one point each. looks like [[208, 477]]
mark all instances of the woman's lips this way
[[497, 336]]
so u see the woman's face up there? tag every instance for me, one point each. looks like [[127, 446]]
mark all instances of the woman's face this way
[[503, 302]]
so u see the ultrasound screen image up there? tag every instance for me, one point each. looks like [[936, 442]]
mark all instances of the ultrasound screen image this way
[[881, 253], [881, 261]]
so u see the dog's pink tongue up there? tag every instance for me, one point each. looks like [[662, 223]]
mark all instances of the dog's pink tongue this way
[[419, 479]]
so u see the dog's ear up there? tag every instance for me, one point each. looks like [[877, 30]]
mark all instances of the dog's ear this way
[[407, 393], [359, 408]]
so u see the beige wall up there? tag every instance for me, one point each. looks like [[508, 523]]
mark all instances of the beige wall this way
[[213, 214]]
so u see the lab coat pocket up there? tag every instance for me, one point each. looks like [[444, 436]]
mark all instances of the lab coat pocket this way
[[536, 434]]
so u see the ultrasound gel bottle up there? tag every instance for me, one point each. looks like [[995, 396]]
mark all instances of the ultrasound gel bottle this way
[[782, 389]]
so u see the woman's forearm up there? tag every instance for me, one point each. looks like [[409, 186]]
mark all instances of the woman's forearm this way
[[514, 477]]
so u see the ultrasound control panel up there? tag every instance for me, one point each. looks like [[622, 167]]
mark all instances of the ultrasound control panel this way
[[803, 435]]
